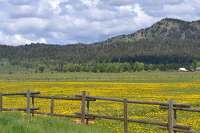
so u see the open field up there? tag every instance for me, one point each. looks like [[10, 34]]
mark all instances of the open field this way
[[154, 86]]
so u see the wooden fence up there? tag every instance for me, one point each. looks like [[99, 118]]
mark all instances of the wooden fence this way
[[84, 114], [83, 78]]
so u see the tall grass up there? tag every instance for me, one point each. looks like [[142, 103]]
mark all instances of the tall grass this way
[[14, 122]]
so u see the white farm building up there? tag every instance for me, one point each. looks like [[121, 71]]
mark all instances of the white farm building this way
[[182, 70]]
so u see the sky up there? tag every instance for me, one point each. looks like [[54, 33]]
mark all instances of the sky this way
[[84, 21]]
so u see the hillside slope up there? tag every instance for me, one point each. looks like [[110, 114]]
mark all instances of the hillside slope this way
[[167, 28]]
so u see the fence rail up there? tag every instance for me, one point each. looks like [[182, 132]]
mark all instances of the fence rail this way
[[134, 101], [135, 120], [84, 114], [20, 93], [61, 98], [97, 78]]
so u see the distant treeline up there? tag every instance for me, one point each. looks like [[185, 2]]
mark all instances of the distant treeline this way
[[118, 67], [97, 67]]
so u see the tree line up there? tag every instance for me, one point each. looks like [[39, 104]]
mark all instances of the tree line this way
[[101, 67], [116, 67]]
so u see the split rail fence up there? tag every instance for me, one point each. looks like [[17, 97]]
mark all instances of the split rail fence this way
[[77, 78], [84, 114]]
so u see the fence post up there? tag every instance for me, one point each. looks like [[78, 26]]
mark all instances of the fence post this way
[[125, 116], [1, 107], [28, 102], [52, 106], [88, 107], [83, 107], [170, 116]]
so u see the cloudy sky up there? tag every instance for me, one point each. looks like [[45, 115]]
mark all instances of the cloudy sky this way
[[85, 21]]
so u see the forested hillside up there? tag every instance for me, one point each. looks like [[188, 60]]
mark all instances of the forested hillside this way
[[167, 28], [167, 41]]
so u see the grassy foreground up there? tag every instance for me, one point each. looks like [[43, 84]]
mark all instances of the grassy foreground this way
[[14, 122]]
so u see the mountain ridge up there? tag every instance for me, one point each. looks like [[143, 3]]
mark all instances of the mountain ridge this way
[[169, 28]]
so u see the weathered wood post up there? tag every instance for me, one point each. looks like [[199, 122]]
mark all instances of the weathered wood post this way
[[83, 107], [125, 116], [170, 116], [1, 105], [52, 106], [88, 107], [28, 102]]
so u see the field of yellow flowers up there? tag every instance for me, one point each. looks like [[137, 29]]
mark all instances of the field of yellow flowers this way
[[145, 88]]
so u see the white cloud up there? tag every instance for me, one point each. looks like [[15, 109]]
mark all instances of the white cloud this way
[[94, 14], [142, 19], [178, 9], [17, 40], [22, 2], [142, 2], [39, 10], [25, 25], [90, 3], [120, 2], [186, 10]]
